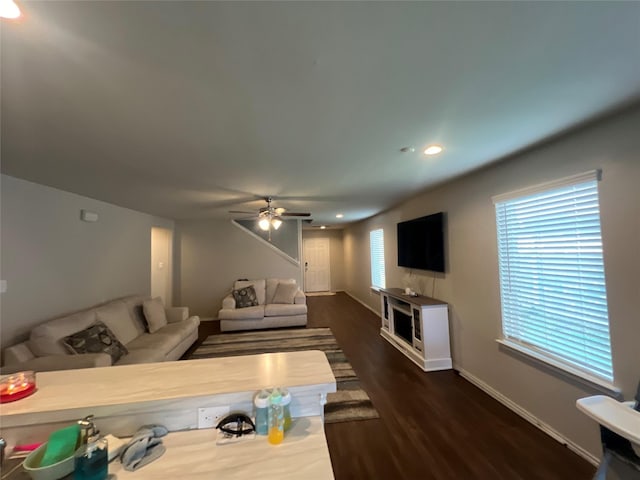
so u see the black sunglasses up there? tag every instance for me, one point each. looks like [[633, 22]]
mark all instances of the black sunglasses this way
[[236, 424]]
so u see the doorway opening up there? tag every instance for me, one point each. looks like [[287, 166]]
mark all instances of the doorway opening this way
[[161, 265]]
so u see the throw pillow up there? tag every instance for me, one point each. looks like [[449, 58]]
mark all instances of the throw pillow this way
[[285, 293], [155, 314], [245, 297], [96, 339]]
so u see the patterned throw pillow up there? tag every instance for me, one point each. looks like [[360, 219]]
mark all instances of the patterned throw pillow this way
[[245, 297], [96, 339]]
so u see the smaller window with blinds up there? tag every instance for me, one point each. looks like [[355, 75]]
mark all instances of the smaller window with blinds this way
[[552, 283], [376, 242]]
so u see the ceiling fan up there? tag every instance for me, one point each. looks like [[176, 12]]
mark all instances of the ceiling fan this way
[[270, 216]]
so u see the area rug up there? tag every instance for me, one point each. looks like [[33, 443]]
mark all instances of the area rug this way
[[349, 403]]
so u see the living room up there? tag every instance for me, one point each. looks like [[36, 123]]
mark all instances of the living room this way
[[53, 262]]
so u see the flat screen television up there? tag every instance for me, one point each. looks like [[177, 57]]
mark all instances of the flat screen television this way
[[421, 243]]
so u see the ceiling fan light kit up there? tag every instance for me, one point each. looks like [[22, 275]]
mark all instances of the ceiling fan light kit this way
[[267, 221], [270, 217], [276, 222]]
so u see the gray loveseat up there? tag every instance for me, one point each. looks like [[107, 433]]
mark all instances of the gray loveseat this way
[[125, 317], [276, 306]]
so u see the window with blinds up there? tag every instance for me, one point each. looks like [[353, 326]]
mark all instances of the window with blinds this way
[[376, 243], [552, 282]]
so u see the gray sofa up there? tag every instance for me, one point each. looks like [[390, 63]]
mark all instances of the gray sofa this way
[[267, 313], [125, 318]]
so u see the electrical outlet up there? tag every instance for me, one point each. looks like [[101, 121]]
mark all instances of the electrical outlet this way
[[208, 417]]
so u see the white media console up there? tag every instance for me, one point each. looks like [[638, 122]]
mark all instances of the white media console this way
[[418, 326]]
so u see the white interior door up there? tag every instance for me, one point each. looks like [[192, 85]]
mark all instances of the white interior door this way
[[317, 270]]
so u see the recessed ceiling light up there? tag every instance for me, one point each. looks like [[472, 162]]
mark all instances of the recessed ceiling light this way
[[322, 227], [8, 9], [433, 150], [340, 215]]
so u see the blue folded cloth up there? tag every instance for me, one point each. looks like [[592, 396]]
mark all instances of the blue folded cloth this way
[[144, 447]]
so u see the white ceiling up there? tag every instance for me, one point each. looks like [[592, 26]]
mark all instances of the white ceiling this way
[[190, 109]]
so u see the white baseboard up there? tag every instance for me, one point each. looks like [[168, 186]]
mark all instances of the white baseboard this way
[[528, 416], [361, 302]]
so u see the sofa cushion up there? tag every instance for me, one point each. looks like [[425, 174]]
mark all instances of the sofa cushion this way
[[254, 313], [272, 285], [46, 339], [245, 297], [115, 315], [280, 309], [142, 355], [155, 314], [97, 338], [285, 293], [181, 329], [17, 353], [162, 342], [258, 285]]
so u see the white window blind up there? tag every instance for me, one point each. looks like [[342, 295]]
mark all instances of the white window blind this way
[[376, 241], [552, 273]]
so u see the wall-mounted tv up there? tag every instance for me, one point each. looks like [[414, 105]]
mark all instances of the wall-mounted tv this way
[[421, 243]]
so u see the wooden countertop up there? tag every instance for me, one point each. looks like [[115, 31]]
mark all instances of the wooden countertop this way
[[418, 300], [68, 394]]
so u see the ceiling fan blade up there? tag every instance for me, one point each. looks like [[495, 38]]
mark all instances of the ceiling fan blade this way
[[295, 214], [242, 211]]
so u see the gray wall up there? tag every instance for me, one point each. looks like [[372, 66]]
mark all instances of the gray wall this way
[[286, 238], [55, 263], [211, 254], [470, 284], [336, 255]]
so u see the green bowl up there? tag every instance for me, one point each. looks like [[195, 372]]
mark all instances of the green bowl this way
[[51, 472]]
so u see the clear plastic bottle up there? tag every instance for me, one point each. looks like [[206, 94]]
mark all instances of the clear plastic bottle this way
[[261, 403], [276, 418], [286, 408]]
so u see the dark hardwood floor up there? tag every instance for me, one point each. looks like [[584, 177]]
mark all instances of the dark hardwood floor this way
[[432, 425]]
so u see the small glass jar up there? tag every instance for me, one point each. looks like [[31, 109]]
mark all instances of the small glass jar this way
[[286, 408], [276, 418], [261, 402]]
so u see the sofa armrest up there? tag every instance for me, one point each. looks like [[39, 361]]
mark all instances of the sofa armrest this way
[[60, 362], [228, 302], [177, 314], [17, 353], [300, 298]]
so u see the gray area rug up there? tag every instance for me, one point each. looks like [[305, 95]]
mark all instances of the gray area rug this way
[[349, 403]]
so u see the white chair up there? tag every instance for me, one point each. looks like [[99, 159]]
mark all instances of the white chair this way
[[620, 435]]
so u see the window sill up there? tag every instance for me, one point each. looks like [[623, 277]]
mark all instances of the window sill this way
[[375, 289], [565, 370]]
